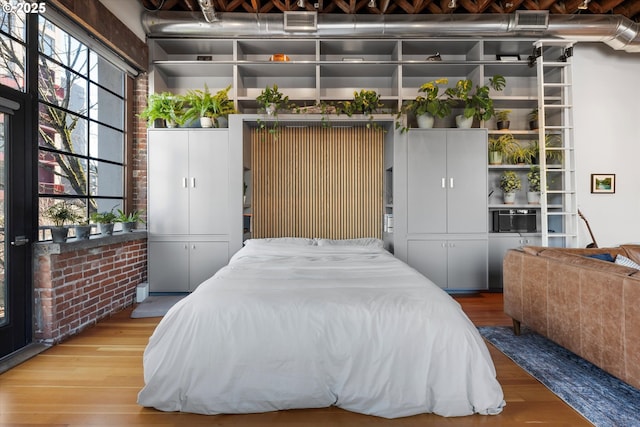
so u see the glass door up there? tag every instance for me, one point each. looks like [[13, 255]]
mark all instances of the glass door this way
[[15, 227]]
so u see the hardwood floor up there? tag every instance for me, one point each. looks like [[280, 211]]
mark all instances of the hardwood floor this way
[[93, 379]]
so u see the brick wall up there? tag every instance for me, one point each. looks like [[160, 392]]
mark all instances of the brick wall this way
[[78, 283], [139, 161]]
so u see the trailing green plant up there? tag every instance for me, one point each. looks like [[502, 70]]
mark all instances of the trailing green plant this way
[[533, 177], [271, 100], [364, 102], [477, 104], [510, 182], [61, 214], [202, 103], [432, 102], [165, 106]]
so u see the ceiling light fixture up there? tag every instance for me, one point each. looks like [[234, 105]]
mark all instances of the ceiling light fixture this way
[[207, 10], [301, 4], [452, 4], [584, 5], [372, 3]]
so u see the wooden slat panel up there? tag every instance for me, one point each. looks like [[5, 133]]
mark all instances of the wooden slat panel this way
[[317, 182]]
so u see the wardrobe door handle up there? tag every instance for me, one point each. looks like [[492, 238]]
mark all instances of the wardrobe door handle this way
[[450, 182], [185, 184], [444, 185], [193, 182]]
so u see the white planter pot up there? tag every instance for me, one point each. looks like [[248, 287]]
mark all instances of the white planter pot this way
[[533, 197], [270, 109], [463, 122], [425, 121], [206, 122], [495, 157], [170, 123], [509, 198]]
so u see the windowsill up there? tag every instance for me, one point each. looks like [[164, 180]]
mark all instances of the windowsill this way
[[50, 248]]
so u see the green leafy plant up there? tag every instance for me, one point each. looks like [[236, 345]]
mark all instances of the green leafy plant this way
[[510, 182], [105, 217], [551, 142], [533, 119], [202, 103], [533, 177], [61, 214], [432, 102], [501, 147], [134, 216], [364, 102], [523, 153], [271, 100], [165, 106], [502, 119], [477, 104]]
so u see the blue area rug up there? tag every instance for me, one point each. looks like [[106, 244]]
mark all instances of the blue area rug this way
[[599, 397]]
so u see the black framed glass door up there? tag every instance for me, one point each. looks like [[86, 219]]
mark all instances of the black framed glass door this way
[[15, 224]]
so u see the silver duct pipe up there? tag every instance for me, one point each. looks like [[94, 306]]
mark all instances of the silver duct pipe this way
[[618, 32]]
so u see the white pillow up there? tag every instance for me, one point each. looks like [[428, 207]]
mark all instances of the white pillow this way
[[296, 241], [367, 242], [623, 260]]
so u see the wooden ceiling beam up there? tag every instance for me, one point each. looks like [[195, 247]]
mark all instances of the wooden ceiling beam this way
[[629, 8], [604, 6]]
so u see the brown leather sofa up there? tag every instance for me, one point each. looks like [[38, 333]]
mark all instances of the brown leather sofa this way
[[589, 306]]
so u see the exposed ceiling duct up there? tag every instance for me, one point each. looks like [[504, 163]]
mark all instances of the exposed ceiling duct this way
[[616, 31]]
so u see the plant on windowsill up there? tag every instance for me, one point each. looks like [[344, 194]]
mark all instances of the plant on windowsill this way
[[105, 221], [365, 102], [425, 108], [164, 106], [82, 229], [510, 182], [60, 214], [477, 104], [501, 147], [533, 178], [129, 220]]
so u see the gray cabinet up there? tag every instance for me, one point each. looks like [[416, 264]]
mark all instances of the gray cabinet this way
[[194, 199], [499, 244], [440, 205]]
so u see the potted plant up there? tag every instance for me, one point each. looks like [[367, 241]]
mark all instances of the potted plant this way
[[500, 147], [164, 106], [553, 155], [523, 154], [533, 119], [226, 107], [207, 107], [82, 229], [510, 183], [364, 102], [428, 106], [129, 220], [477, 104], [271, 100], [60, 214], [502, 119], [533, 178], [105, 221]]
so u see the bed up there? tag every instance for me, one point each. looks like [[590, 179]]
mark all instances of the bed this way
[[309, 323]]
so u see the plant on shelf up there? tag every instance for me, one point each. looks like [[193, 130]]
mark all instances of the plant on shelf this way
[[523, 154], [533, 119], [477, 104], [501, 147], [552, 154], [502, 119], [533, 177], [60, 214], [364, 102], [105, 221], [510, 182], [207, 107], [129, 220], [164, 106], [426, 107], [271, 100]]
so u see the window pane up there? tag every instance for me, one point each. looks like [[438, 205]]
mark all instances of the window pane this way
[[106, 107], [62, 131], [78, 207], [103, 72], [62, 87], [107, 143], [65, 50], [61, 174], [12, 60], [107, 205], [13, 24], [106, 179]]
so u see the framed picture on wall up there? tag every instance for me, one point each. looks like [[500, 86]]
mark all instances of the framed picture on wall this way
[[604, 183]]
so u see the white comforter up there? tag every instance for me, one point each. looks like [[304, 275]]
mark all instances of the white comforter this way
[[286, 327]]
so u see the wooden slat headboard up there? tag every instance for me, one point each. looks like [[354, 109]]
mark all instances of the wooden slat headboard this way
[[317, 182]]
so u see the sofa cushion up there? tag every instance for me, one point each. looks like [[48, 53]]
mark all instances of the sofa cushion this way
[[632, 252], [564, 256]]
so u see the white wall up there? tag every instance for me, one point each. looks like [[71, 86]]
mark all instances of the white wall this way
[[606, 97], [129, 12]]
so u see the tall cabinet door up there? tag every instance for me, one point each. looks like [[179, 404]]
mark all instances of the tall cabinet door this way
[[466, 181], [209, 182], [426, 182], [168, 180]]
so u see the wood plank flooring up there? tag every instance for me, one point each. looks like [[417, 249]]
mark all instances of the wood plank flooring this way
[[93, 380]]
